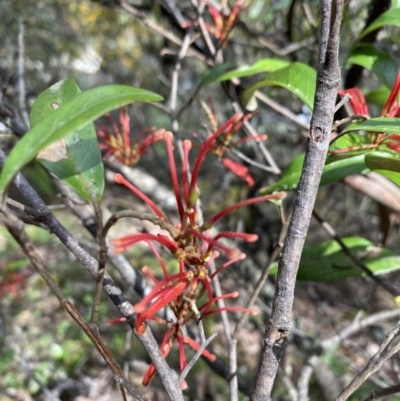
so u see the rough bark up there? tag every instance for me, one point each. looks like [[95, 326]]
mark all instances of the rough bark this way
[[328, 76]]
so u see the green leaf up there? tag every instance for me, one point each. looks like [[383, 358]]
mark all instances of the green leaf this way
[[340, 168], [289, 178], [379, 124], [297, 77], [378, 62], [75, 158], [213, 75], [390, 17], [70, 117], [386, 164], [346, 141], [378, 96], [335, 170], [263, 65], [327, 262]]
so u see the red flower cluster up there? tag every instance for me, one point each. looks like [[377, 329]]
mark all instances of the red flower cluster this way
[[193, 247], [225, 140], [223, 24], [390, 109], [118, 142]]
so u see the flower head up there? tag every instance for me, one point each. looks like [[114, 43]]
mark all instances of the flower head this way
[[225, 140], [117, 142], [194, 248]]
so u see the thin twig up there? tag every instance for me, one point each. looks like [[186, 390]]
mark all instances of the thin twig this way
[[288, 384], [101, 269], [357, 326], [21, 73], [197, 313], [159, 29], [375, 363], [233, 384], [16, 229], [265, 152], [303, 382], [113, 291], [342, 101], [391, 289], [196, 356], [281, 110], [252, 162], [384, 392], [343, 121]]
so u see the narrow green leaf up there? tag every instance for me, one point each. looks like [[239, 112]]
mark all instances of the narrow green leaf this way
[[379, 124], [378, 96], [327, 262], [289, 178], [335, 170], [75, 158], [219, 73], [340, 168], [263, 65], [386, 164], [71, 116], [213, 75], [378, 62], [390, 17], [297, 77], [348, 140]]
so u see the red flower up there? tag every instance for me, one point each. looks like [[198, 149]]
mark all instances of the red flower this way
[[224, 142], [192, 246], [357, 101], [391, 109], [240, 170], [118, 142], [223, 24], [392, 106]]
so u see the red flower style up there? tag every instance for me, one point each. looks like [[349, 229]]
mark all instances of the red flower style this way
[[223, 24], [225, 140], [391, 109], [193, 247], [118, 142]]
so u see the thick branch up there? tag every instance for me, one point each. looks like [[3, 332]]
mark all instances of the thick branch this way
[[113, 291], [277, 331]]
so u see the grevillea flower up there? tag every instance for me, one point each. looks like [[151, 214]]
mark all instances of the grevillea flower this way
[[194, 248], [118, 143], [225, 140], [391, 109], [223, 23]]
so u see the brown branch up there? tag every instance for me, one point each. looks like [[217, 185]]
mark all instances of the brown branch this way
[[101, 269], [21, 73], [159, 29], [384, 392], [375, 363], [113, 291], [391, 289], [16, 229], [328, 76]]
